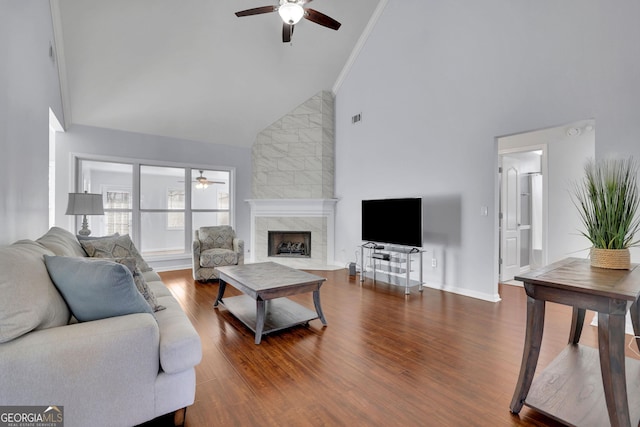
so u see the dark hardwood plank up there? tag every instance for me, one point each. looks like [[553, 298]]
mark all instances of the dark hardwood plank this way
[[430, 358]]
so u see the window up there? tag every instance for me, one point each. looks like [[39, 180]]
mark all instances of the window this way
[[171, 202], [223, 203], [162, 217], [117, 212], [210, 197], [114, 181], [175, 201]]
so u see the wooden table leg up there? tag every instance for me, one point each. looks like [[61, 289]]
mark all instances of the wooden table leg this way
[[635, 320], [577, 322], [316, 302], [533, 340], [612, 365], [261, 311], [221, 287]]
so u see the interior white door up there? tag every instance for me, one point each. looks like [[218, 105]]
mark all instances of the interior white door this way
[[510, 221]]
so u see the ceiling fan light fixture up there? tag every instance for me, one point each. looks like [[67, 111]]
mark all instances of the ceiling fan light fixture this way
[[291, 13], [202, 181]]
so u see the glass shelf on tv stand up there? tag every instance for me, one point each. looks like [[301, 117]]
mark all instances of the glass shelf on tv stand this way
[[391, 264]]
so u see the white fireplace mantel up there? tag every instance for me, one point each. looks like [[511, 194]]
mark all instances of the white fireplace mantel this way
[[295, 208], [292, 207]]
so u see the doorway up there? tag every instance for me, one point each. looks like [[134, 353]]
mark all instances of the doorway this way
[[538, 223], [521, 206]]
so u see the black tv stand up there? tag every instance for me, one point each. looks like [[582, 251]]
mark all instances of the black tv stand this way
[[392, 265]]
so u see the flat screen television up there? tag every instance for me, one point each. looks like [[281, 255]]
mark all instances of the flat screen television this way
[[393, 221]]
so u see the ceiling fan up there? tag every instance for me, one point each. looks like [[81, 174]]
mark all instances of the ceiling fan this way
[[291, 12], [202, 181]]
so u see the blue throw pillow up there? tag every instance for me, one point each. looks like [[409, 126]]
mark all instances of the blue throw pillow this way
[[95, 289]]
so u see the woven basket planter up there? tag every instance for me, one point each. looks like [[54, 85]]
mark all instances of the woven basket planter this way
[[615, 259]]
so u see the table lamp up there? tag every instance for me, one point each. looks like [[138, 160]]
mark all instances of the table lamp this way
[[85, 204]]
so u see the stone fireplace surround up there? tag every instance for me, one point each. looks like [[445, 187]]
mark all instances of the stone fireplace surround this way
[[314, 215], [293, 182]]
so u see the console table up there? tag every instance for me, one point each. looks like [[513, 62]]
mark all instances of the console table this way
[[583, 386], [398, 265]]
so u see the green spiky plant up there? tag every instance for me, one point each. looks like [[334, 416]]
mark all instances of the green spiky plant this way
[[607, 199]]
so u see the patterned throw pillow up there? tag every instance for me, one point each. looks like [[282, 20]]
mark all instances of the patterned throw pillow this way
[[141, 284], [114, 247]]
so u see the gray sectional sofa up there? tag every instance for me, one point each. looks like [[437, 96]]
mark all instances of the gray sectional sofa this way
[[114, 371]]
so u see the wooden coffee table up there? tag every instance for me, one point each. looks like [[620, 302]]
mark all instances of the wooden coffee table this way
[[263, 308]]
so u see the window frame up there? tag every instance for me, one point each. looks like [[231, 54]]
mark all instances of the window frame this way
[[136, 211]]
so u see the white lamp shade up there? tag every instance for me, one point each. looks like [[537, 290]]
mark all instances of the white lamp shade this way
[[85, 204], [291, 13]]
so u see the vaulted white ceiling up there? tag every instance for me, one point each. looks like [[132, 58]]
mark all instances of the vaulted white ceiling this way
[[191, 69]]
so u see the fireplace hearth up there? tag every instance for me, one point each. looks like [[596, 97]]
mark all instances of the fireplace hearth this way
[[294, 244]]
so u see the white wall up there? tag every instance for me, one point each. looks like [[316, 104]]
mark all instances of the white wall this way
[[88, 140], [566, 160], [28, 87], [435, 86]]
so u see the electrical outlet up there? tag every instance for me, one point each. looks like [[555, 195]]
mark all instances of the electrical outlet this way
[[434, 263]]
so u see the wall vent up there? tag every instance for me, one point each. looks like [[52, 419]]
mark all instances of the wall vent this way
[[355, 119]]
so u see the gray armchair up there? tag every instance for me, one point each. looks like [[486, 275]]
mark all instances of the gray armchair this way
[[214, 247]]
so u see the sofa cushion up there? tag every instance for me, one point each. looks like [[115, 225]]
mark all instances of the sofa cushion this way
[[114, 247], [141, 284], [180, 345], [159, 289], [28, 299], [95, 289], [61, 242], [151, 276], [217, 257]]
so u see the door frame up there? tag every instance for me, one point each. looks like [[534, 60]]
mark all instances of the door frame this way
[[505, 150]]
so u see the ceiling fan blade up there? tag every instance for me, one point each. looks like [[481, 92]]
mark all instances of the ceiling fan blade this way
[[321, 18], [287, 32], [257, 11]]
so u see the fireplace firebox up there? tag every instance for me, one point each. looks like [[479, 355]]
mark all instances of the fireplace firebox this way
[[295, 244]]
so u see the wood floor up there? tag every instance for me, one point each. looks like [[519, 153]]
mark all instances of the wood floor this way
[[385, 359]]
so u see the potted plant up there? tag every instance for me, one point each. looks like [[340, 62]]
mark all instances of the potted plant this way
[[607, 200]]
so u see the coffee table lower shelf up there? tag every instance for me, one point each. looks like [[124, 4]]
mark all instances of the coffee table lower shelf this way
[[570, 389], [280, 313]]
